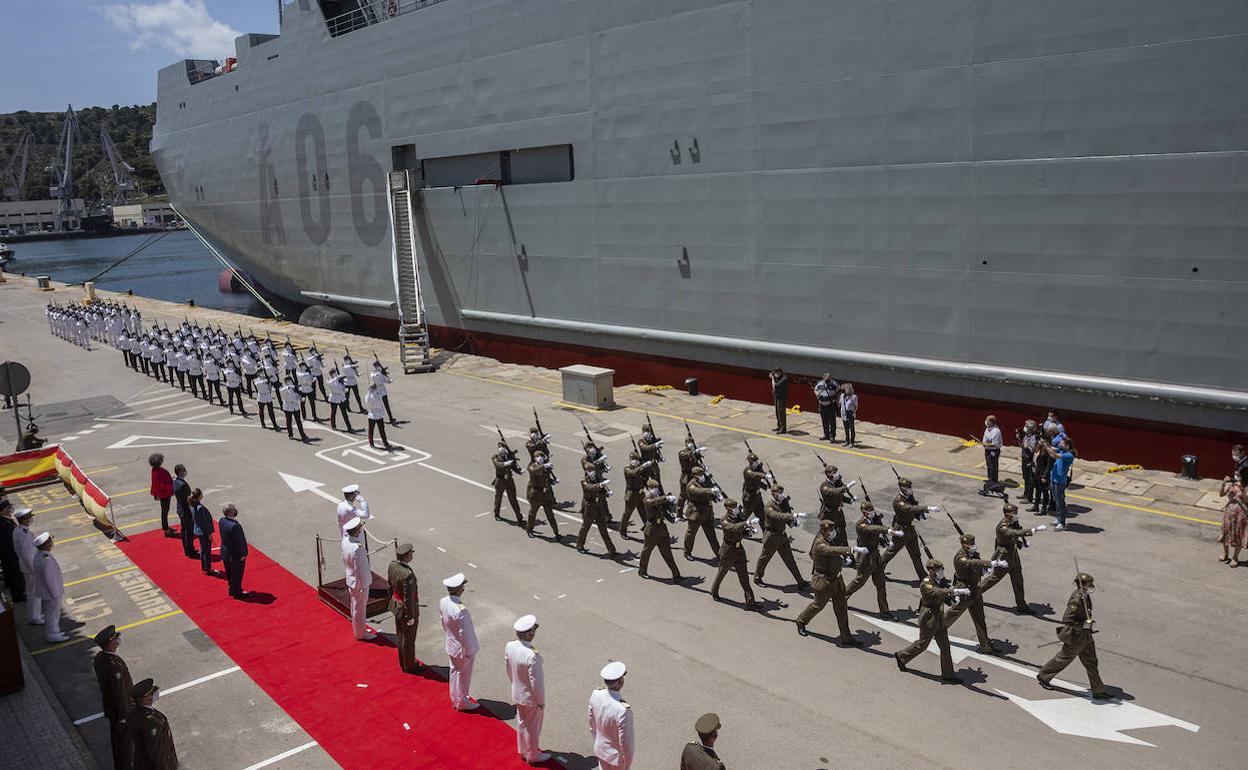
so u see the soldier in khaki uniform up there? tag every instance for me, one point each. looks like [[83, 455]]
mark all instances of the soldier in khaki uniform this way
[[871, 532], [753, 481], [968, 570], [934, 593], [827, 559], [833, 494], [113, 676], [658, 512], [732, 553], [651, 447], [688, 458], [151, 740], [1076, 635], [779, 516], [635, 475], [405, 606], [595, 458], [1010, 536], [541, 493], [701, 755], [505, 467], [906, 510], [701, 495], [537, 443], [595, 490]]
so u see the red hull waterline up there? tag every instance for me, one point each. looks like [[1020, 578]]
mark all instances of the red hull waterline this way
[[1155, 445]]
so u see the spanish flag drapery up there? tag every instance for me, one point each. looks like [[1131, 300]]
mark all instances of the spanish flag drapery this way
[[31, 467]]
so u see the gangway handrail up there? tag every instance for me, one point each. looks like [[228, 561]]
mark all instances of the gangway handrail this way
[[370, 12]]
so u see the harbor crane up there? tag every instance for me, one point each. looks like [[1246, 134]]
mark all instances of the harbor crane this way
[[124, 185], [14, 178], [62, 168]]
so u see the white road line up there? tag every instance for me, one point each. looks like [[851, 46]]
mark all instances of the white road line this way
[[97, 426], [86, 432], [161, 410], [182, 408], [560, 596], [281, 756], [599, 580], [626, 569], [479, 515], [170, 691], [464, 479], [232, 418], [470, 564], [165, 397], [440, 548], [176, 422]]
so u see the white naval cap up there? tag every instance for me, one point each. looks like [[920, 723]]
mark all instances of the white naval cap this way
[[355, 521], [455, 581], [22, 513], [525, 623], [42, 538], [613, 671], [348, 489]]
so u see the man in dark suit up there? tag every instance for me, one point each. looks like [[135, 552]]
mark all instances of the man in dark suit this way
[[182, 494], [201, 518], [233, 550]]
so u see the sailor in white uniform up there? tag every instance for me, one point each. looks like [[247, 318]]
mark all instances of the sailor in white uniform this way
[[461, 642], [351, 379], [338, 401], [24, 544], [264, 401], [359, 577], [611, 720], [380, 378], [49, 587], [528, 689], [353, 506], [290, 408]]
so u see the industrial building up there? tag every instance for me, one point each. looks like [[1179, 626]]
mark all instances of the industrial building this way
[[143, 215], [22, 217]]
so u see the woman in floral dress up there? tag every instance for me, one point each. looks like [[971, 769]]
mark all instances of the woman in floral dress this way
[[1234, 518]]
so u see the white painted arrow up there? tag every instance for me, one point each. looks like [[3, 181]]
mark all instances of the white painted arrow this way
[[300, 484], [143, 442], [1078, 715], [1097, 719]]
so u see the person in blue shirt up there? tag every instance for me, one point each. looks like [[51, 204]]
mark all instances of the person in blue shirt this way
[[1059, 476], [233, 550]]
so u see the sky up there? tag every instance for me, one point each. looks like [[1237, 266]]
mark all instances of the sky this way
[[93, 53]]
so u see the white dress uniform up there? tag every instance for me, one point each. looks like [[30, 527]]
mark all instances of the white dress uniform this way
[[24, 544], [379, 378], [359, 578], [375, 406], [461, 648], [337, 391], [528, 692], [611, 724], [348, 510], [264, 391], [290, 398], [50, 588]]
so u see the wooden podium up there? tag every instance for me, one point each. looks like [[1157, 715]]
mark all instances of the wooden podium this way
[[334, 592]]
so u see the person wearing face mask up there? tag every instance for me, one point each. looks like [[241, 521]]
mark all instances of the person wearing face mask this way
[[779, 516], [871, 533], [635, 475], [701, 495], [291, 403], [753, 481], [1010, 537], [934, 594], [1234, 533], [732, 553], [827, 559], [1240, 459], [906, 510], [594, 458], [1076, 637], [595, 490], [833, 494], [992, 452], [151, 740], [689, 457], [1028, 440], [968, 570], [657, 513], [505, 467]]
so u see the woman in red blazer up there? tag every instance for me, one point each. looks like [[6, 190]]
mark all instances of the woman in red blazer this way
[[162, 490]]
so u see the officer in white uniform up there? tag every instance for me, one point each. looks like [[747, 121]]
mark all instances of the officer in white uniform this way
[[264, 401], [290, 408], [611, 720], [381, 379], [24, 544], [359, 577], [528, 689], [49, 587], [461, 641], [353, 506]]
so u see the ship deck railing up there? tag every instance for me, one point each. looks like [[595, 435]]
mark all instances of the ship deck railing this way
[[370, 12]]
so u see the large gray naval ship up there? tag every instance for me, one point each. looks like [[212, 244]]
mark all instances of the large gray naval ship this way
[[959, 205]]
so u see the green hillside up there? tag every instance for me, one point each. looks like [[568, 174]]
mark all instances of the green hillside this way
[[129, 127]]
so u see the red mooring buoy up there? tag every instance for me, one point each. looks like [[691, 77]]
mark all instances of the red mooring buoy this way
[[228, 283]]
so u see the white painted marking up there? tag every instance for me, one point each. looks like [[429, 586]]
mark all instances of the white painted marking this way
[[440, 548], [169, 691], [626, 569], [479, 515], [138, 442], [174, 407], [599, 580], [69, 438], [154, 399], [1105, 720], [473, 482], [117, 417], [232, 418], [470, 564], [300, 484], [98, 426], [280, 757], [358, 457], [180, 424], [538, 598], [86, 432], [560, 596]]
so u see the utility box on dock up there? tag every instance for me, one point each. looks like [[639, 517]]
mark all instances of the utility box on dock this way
[[588, 386]]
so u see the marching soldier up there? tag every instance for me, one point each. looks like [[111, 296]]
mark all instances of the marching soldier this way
[[658, 512], [833, 494], [405, 606], [871, 532], [732, 554], [701, 494], [906, 510], [701, 755], [537, 443], [528, 689], [505, 467], [541, 493], [689, 457], [1076, 635], [151, 740], [934, 594], [651, 448], [968, 570], [595, 491], [113, 676], [754, 481], [779, 516], [611, 720], [1011, 535], [635, 474], [594, 458], [825, 577]]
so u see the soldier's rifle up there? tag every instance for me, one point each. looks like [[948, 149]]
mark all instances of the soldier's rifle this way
[[511, 453], [1083, 597], [602, 453], [376, 359], [956, 526], [538, 422], [658, 450]]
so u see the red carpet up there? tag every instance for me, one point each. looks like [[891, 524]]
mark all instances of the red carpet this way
[[302, 654]]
